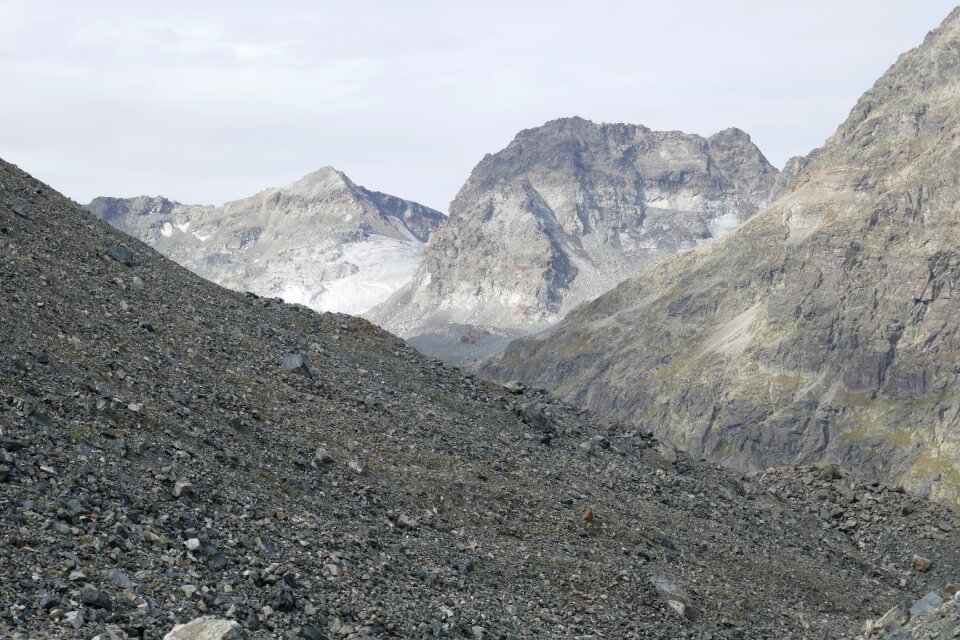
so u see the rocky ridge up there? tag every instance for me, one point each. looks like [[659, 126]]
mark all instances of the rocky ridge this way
[[321, 241], [171, 450], [561, 215], [824, 329]]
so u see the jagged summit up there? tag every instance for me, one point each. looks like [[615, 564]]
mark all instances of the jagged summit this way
[[825, 328], [320, 181], [322, 240], [561, 215]]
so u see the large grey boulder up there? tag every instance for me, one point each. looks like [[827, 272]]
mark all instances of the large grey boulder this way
[[207, 628]]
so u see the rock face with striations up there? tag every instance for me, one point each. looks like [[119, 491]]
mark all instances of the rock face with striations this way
[[322, 241], [172, 451], [826, 328], [563, 214]]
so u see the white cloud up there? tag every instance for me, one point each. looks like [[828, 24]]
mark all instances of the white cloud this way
[[211, 101]]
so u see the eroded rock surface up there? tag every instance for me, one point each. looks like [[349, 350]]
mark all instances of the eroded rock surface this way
[[563, 214]]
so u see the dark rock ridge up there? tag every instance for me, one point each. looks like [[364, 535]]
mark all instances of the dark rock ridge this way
[[827, 328], [171, 450], [564, 213], [322, 241]]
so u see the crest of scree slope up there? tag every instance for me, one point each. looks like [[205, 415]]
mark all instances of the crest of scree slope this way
[[826, 328], [568, 210], [322, 241]]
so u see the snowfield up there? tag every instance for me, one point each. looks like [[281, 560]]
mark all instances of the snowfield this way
[[384, 265]]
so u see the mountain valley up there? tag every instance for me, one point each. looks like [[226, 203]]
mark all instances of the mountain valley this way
[[638, 384]]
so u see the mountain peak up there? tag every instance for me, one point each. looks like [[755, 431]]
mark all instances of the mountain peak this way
[[906, 110], [323, 180], [563, 213], [732, 134], [322, 240]]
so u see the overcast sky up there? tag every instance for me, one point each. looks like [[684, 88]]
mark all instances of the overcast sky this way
[[211, 101]]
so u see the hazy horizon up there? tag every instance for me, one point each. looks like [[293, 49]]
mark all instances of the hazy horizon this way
[[214, 102]]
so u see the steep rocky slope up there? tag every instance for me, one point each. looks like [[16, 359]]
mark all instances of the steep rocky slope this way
[[322, 241], [564, 213], [825, 328], [171, 449]]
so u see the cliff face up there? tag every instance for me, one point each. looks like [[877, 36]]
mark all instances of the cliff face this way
[[826, 328], [567, 211], [322, 241]]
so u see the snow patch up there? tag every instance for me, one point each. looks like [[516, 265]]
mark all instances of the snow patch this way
[[166, 230], [722, 225], [183, 227], [200, 237], [384, 266]]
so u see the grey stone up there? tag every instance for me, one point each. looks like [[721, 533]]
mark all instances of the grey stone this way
[[11, 444], [642, 551], [927, 604], [183, 488], [298, 363], [898, 615], [311, 632], [121, 253], [321, 457], [207, 628], [178, 395], [119, 578], [74, 507], [93, 597], [673, 594]]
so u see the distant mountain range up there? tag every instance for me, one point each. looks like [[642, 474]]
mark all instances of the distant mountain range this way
[[322, 241], [562, 215]]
